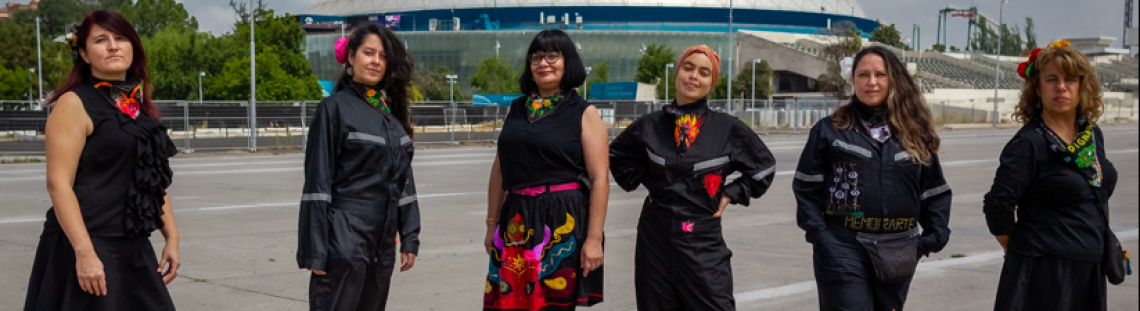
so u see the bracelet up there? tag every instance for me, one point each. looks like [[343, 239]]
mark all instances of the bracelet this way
[[492, 221]]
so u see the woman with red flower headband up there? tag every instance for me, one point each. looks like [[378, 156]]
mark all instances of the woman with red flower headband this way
[[359, 192], [683, 155], [1047, 206], [107, 174]]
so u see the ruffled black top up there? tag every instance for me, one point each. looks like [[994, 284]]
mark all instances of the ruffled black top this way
[[124, 169]]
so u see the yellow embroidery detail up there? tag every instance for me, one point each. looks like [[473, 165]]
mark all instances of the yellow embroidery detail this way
[[555, 284]]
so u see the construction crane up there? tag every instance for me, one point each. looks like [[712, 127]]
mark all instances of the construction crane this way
[[943, 18]]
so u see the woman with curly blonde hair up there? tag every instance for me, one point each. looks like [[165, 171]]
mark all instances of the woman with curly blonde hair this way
[[1055, 179]]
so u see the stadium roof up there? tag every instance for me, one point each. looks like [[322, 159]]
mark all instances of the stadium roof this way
[[357, 7]]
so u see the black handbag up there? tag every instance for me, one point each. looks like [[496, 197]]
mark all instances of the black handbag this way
[[1114, 260], [894, 255]]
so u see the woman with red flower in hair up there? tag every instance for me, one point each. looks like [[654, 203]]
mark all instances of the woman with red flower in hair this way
[[682, 154]]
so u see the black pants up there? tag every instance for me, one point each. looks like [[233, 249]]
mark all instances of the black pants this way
[[845, 277], [681, 270], [359, 269]]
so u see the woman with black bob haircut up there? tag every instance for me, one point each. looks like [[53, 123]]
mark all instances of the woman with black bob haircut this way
[[107, 173], [359, 192], [868, 178], [546, 197]]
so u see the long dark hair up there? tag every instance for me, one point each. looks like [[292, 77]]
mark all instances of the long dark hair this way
[[397, 73], [81, 70], [908, 116], [554, 40]]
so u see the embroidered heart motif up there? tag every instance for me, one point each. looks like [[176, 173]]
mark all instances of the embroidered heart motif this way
[[712, 182]]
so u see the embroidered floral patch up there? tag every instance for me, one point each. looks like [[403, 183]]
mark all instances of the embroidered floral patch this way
[[128, 104], [713, 181], [539, 107]]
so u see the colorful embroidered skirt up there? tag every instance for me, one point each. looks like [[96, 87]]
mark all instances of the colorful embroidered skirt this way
[[536, 263]]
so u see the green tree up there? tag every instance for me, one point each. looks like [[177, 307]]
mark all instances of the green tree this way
[[888, 35], [58, 14], [955, 49], [1011, 42], [1030, 34], [15, 83], [176, 55], [743, 82], [651, 65], [599, 74], [847, 43], [273, 81], [721, 89], [985, 38], [149, 16], [938, 48], [433, 84], [495, 75], [241, 9]]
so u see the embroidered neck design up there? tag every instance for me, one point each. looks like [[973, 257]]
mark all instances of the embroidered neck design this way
[[125, 95], [688, 120], [377, 98], [1081, 153], [539, 107]]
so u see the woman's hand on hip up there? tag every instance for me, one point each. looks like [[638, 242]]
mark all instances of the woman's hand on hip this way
[[489, 239], [592, 256], [724, 201], [89, 270]]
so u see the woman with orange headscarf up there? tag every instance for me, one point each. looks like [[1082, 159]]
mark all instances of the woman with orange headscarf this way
[[682, 155]]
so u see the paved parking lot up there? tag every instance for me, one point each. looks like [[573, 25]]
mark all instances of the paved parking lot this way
[[238, 218]]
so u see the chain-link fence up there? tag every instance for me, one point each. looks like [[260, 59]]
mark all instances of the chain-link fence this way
[[283, 125]]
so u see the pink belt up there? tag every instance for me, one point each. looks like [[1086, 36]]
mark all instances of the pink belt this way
[[537, 190]]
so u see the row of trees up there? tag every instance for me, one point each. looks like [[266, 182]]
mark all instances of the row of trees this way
[[651, 69], [985, 38], [176, 50]]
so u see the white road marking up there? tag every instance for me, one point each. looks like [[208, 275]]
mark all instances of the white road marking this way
[[924, 267]]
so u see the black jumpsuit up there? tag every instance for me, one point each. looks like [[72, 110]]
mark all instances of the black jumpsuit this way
[[682, 261], [847, 182], [1052, 218], [359, 194], [119, 184]]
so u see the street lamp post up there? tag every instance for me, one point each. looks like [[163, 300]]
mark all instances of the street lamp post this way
[[31, 92], [39, 60], [451, 94], [731, 49], [754, 62], [587, 88], [252, 79], [667, 66], [997, 66]]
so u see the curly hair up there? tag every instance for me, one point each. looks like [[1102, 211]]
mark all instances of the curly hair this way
[[1072, 63], [908, 115]]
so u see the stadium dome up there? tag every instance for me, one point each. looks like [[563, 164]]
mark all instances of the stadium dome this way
[[359, 7]]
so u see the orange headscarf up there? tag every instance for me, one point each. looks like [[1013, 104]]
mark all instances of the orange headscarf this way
[[703, 49]]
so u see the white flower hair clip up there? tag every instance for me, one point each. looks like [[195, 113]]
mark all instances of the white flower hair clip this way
[[845, 67]]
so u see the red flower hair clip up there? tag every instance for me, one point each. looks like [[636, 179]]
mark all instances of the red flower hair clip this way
[[1025, 69]]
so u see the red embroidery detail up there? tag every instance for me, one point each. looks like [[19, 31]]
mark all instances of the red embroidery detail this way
[[712, 182], [687, 226]]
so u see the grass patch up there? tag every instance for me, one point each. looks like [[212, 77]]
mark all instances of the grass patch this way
[[22, 160], [958, 256]]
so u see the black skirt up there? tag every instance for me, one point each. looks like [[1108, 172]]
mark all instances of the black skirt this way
[[536, 264], [129, 264], [1049, 283]]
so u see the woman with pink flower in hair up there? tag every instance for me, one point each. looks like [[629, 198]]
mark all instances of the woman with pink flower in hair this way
[[683, 156], [359, 193]]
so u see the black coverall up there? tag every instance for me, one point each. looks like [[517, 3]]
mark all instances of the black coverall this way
[[358, 194], [682, 261], [845, 183]]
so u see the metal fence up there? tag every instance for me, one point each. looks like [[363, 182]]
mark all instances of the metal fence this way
[[283, 125]]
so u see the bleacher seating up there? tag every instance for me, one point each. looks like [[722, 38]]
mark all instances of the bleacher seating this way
[[954, 72]]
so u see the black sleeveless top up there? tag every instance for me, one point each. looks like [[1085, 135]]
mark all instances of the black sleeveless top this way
[[546, 152], [122, 173]]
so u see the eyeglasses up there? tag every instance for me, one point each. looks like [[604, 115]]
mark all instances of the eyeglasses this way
[[549, 57]]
